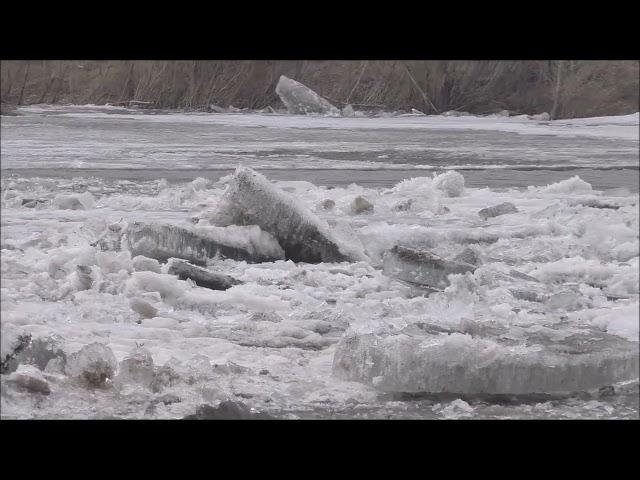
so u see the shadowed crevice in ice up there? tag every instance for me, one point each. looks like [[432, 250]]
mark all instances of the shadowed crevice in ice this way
[[162, 242], [513, 361]]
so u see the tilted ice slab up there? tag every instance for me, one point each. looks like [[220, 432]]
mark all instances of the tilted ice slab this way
[[516, 361], [253, 200], [421, 266], [301, 100], [197, 245]]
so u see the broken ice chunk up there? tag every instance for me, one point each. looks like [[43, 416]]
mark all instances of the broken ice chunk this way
[[168, 375], [43, 350], [143, 308], [566, 300], [227, 410], [201, 276], [348, 111], [328, 204], [467, 256], [83, 201], [145, 264], [31, 379], [13, 340], [111, 238], [361, 205], [137, 368], [253, 200], [421, 267], [543, 117], [197, 245], [94, 363], [83, 277], [497, 210], [403, 205], [451, 183], [301, 100], [543, 361]]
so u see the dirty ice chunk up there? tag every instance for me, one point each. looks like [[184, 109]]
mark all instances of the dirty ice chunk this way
[[301, 100], [497, 210], [469, 256], [137, 368], [201, 276], [162, 242], [143, 308], [111, 238], [13, 340], [82, 201], [31, 379], [421, 267], [94, 364], [566, 300], [253, 200], [227, 410], [547, 361], [43, 350], [361, 205]]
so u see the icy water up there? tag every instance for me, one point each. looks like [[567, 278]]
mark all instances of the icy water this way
[[270, 342]]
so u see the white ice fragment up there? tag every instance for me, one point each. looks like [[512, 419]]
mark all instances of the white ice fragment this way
[[301, 100], [571, 185], [114, 262], [497, 210], [423, 193], [144, 264], [457, 409], [451, 183], [543, 117], [82, 201], [94, 364], [455, 113]]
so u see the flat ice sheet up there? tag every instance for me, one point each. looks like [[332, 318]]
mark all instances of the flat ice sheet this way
[[107, 138]]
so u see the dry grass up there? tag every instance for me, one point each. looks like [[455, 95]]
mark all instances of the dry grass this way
[[588, 88]]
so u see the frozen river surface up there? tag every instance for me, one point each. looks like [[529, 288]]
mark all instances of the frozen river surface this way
[[271, 342]]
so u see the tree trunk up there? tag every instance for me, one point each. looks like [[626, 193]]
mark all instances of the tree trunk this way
[[24, 83], [556, 97], [364, 66], [427, 102]]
